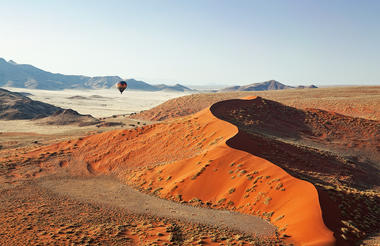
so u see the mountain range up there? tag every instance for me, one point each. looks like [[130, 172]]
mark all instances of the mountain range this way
[[17, 75], [264, 86]]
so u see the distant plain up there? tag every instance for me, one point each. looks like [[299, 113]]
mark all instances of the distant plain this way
[[101, 102]]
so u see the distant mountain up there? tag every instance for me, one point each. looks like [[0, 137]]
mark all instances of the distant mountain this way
[[140, 85], [176, 87], [28, 76], [306, 87], [16, 106], [264, 86]]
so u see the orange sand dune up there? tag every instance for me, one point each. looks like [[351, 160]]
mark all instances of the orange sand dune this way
[[233, 179], [198, 166]]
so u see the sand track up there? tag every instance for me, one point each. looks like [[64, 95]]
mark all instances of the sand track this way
[[108, 191]]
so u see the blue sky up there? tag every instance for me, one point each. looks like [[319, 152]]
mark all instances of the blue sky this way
[[325, 42]]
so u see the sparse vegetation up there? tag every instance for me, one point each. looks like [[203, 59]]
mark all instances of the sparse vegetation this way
[[268, 215], [267, 200], [279, 218], [279, 186], [222, 200], [157, 191], [257, 179]]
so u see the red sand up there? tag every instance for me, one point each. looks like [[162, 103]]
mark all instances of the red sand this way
[[197, 163]]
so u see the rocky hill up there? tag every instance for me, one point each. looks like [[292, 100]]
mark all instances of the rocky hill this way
[[264, 86], [68, 117], [15, 106], [176, 87]]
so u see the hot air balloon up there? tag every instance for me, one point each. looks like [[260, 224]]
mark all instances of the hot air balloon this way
[[122, 85]]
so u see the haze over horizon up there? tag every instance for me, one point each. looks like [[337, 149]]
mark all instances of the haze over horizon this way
[[198, 42]]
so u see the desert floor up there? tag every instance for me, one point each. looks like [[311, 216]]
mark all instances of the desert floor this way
[[49, 196]]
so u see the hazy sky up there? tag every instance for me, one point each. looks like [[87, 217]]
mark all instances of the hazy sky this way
[[198, 42]]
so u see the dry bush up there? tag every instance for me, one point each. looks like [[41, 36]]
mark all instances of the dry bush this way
[[76, 166]]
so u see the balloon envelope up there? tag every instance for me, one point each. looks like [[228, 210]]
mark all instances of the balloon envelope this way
[[122, 85]]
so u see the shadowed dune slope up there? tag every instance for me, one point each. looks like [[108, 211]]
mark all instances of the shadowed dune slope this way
[[347, 137]]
